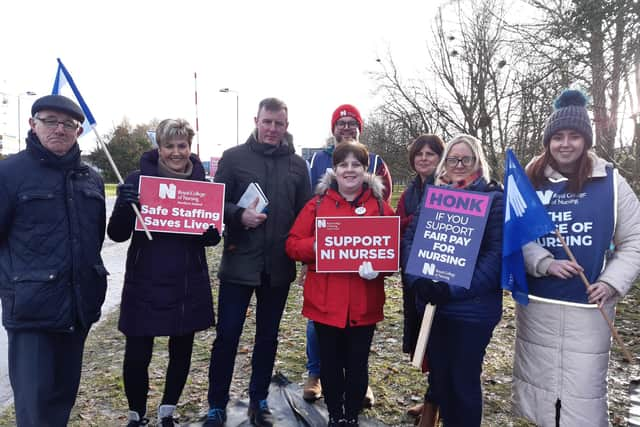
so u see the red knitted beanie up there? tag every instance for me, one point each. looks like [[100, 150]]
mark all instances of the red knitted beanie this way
[[346, 110]]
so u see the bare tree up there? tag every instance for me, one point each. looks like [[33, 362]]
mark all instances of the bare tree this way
[[477, 81], [590, 42]]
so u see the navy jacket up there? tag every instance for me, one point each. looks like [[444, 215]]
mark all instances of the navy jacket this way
[[166, 286], [283, 176], [483, 300], [52, 220]]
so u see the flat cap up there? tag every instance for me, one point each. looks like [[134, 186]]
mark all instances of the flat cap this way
[[58, 103]]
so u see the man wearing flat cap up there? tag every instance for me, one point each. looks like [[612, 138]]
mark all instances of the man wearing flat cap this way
[[52, 279]]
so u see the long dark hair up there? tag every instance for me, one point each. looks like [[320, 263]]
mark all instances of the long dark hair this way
[[577, 180]]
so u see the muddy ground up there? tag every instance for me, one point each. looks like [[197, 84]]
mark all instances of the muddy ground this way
[[101, 400]]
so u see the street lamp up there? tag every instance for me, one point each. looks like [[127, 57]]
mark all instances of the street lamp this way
[[18, 96], [29, 93], [227, 90]]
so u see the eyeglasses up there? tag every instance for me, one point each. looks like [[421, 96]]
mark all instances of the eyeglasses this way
[[466, 161], [347, 123], [51, 123]]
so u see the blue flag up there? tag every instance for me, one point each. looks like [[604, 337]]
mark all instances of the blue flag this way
[[64, 81], [525, 219]]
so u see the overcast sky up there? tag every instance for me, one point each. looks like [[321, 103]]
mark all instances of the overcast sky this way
[[136, 59]]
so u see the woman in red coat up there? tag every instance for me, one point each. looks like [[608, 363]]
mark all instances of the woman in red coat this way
[[345, 307]]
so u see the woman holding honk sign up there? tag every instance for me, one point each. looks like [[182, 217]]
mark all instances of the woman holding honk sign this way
[[464, 318], [345, 307]]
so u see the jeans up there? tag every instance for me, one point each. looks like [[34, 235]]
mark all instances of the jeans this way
[[345, 367], [137, 356], [44, 370], [313, 350], [233, 301], [456, 351]]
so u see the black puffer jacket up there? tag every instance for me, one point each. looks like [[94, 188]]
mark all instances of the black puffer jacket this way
[[284, 178], [166, 285], [52, 219]]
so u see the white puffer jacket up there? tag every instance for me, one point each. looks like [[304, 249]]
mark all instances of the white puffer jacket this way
[[562, 349]]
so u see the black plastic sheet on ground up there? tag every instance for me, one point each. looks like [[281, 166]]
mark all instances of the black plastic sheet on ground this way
[[288, 407]]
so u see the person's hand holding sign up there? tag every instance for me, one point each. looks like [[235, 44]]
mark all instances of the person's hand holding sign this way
[[127, 195], [366, 271], [435, 293], [252, 218], [211, 236]]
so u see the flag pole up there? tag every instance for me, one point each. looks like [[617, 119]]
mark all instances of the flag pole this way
[[120, 180], [614, 332]]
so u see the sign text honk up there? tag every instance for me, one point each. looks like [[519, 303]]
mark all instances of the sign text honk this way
[[457, 202]]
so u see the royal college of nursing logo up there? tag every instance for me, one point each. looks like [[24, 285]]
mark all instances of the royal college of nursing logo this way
[[545, 196], [428, 268], [167, 191]]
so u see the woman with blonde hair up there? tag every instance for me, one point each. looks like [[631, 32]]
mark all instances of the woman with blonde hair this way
[[166, 286], [465, 318]]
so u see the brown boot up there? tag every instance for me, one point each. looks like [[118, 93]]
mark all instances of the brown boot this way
[[369, 399], [429, 416], [312, 389], [415, 411]]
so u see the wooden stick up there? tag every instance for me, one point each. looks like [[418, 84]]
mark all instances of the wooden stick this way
[[423, 336], [614, 332], [121, 181]]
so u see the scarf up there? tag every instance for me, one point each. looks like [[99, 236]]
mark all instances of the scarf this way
[[164, 171]]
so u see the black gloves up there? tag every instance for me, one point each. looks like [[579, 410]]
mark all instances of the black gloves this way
[[436, 293], [211, 237], [127, 194]]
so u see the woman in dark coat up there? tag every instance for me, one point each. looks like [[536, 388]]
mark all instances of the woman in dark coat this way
[[465, 318], [167, 290], [424, 155]]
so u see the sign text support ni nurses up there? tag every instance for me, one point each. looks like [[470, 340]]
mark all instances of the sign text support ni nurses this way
[[180, 206], [344, 243], [448, 235]]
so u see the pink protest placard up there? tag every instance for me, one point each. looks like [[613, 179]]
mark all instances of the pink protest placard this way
[[344, 243], [179, 205], [455, 201]]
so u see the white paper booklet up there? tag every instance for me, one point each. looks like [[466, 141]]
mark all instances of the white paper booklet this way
[[253, 190]]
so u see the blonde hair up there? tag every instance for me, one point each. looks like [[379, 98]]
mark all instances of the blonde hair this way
[[475, 146], [170, 129]]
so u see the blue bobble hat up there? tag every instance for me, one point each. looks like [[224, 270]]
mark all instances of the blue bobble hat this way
[[570, 112], [58, 103]]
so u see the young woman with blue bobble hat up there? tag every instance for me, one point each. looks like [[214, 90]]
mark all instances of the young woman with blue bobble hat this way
[[562, 341]]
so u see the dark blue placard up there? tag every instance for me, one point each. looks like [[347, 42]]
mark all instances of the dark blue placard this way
[[448, 235]]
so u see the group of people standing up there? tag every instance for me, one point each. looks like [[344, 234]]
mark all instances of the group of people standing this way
[[53, 282]]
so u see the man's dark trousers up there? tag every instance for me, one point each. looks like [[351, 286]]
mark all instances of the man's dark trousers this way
[[233, 301], [44, 370]]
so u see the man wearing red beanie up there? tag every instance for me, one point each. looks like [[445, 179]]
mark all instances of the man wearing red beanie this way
[[346, 125]]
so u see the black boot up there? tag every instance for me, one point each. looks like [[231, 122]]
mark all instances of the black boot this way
[[335, 422]]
